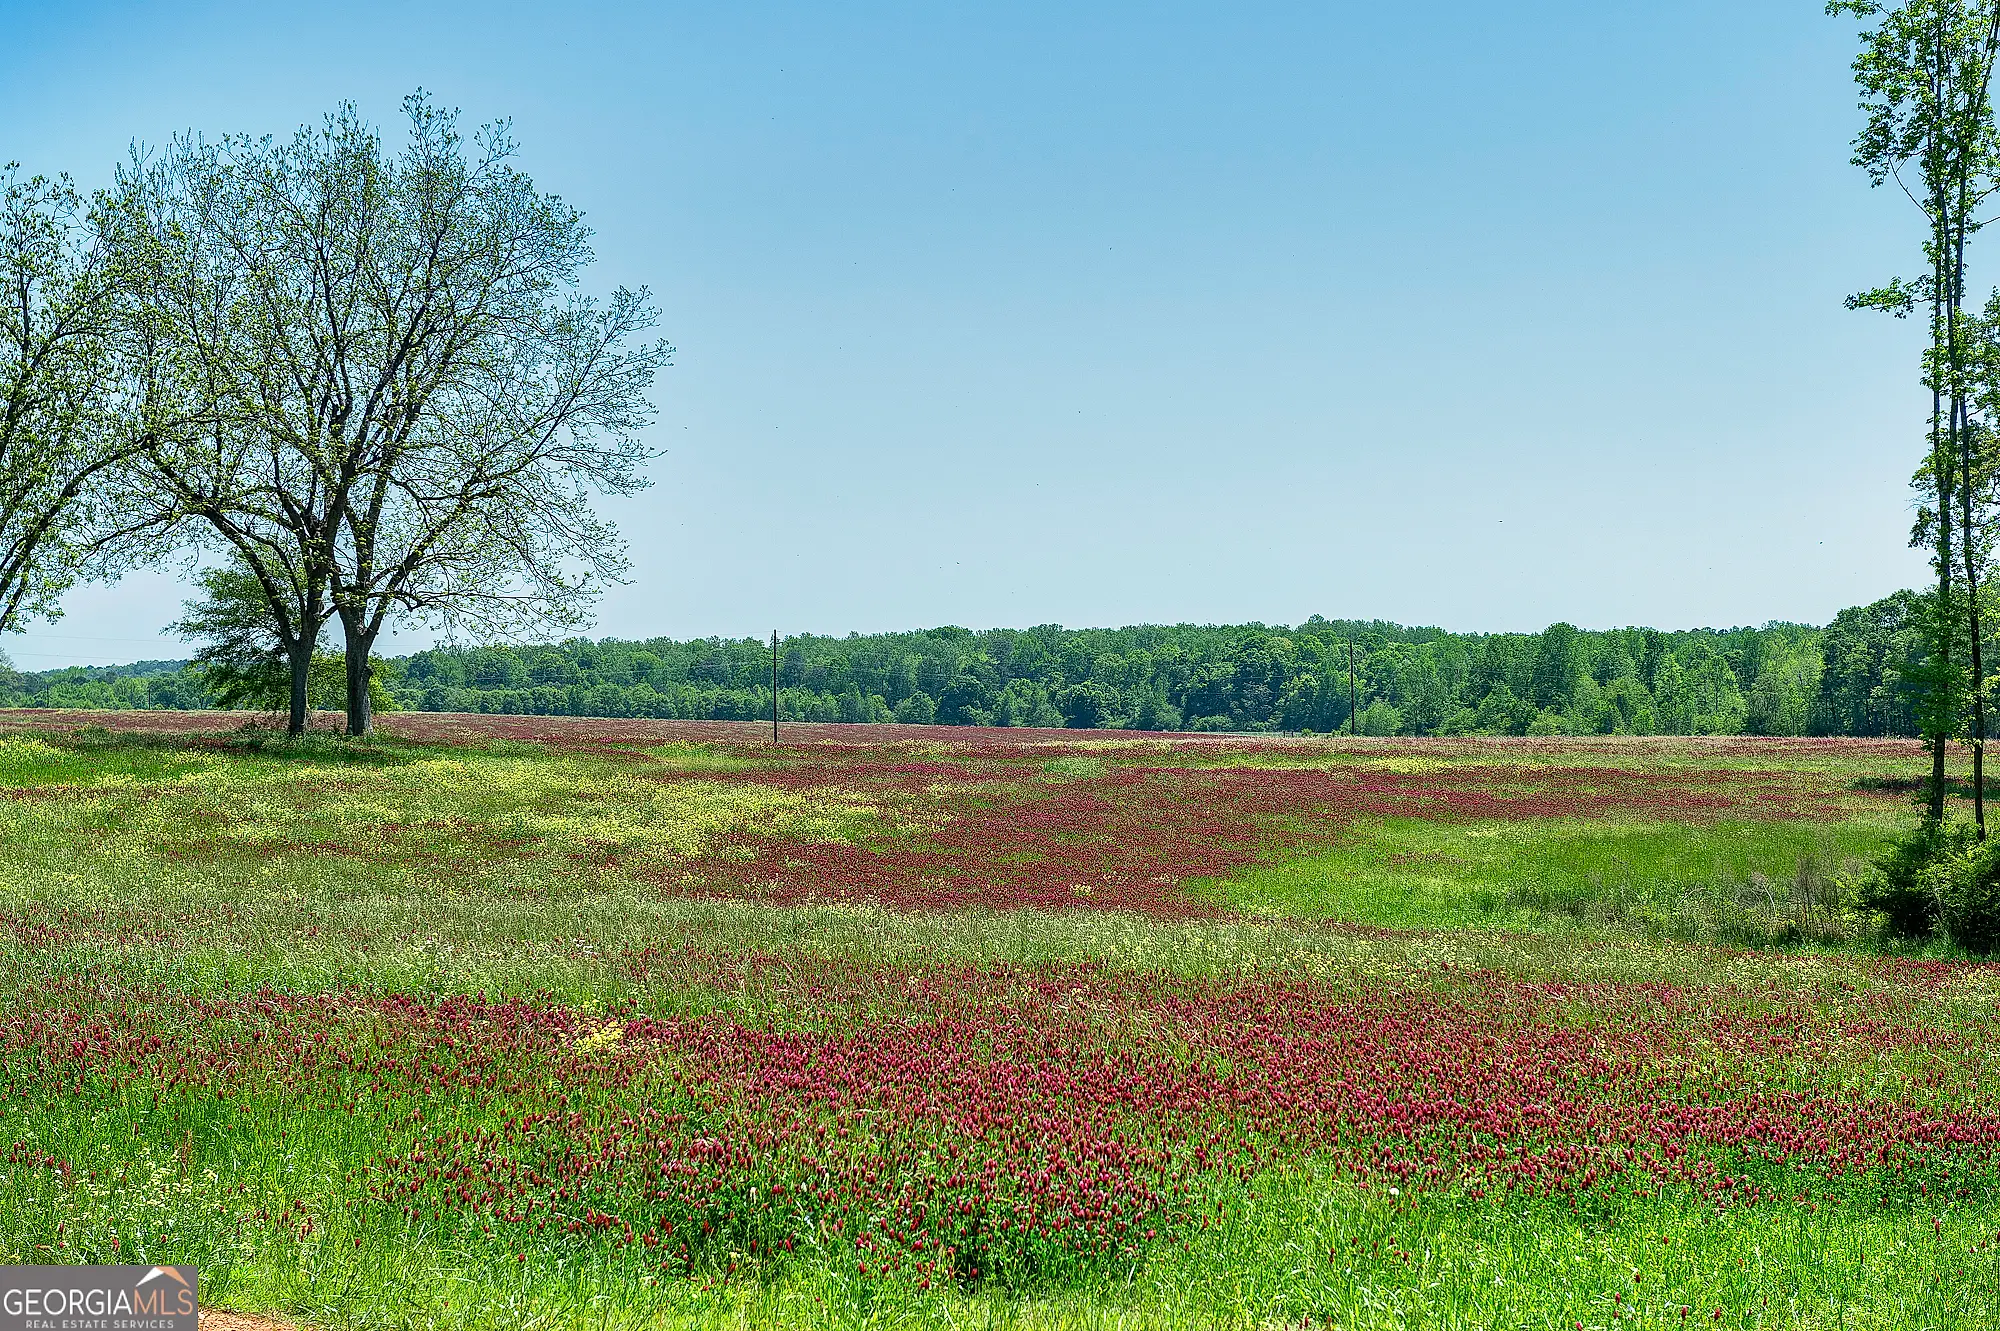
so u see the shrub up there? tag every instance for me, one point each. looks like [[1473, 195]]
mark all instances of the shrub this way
[[1939, 878], [1904, 885], [1968, 898]]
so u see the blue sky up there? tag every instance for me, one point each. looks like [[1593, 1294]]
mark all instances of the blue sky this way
[[1004, 315]]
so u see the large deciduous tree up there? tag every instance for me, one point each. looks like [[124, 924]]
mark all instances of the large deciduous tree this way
[[408, 402], [515, 398], [225, 243]]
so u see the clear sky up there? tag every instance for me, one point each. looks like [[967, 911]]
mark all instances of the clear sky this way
[[1475, 315]]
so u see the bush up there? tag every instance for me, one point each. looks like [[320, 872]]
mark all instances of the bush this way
[[1464, 721], [1903, 884], [1968, 898], [1940, 878]]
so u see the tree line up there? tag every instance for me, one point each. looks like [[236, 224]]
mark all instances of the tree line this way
[[1860, 675], [351, 386]]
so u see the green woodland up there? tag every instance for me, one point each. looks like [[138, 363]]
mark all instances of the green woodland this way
[[1853, 677]]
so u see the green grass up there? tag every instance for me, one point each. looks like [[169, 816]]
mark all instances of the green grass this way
[[1294, 1247], [1897, 761], [264, 1195], [1729, 881], [160, 866], [1074, 767]]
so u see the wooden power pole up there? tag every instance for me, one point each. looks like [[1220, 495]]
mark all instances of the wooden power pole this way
[[774, 686], [1353, 728]]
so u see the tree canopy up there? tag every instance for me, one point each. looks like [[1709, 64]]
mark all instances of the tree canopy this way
[[1856, 676], [399, 404]]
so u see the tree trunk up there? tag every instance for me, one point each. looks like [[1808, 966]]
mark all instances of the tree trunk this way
[[1968, 545], [1941, 627], [360, 670], [301, 662], [1969, 549], [1978, 723], [1943, 465]]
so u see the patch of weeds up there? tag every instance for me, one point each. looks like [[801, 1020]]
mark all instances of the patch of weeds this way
[[1073, 768], [700, 758]]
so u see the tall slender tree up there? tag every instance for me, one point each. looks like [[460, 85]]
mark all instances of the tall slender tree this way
[[1974, 157], [1925, 72]]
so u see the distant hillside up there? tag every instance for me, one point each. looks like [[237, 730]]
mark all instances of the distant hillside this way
[[1782, 679], [142, 685]]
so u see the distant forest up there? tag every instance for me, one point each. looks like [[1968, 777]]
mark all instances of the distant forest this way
[[1856, 676]]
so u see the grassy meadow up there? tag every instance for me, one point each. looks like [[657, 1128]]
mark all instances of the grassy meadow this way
[[506, 1022]]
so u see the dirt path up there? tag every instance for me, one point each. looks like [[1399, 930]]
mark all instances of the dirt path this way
[[215, 1320]]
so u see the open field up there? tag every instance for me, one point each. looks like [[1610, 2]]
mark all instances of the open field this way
[[510, 1021]]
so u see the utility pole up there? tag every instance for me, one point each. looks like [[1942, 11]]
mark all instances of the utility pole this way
[[774, 686], [1352, 724]]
